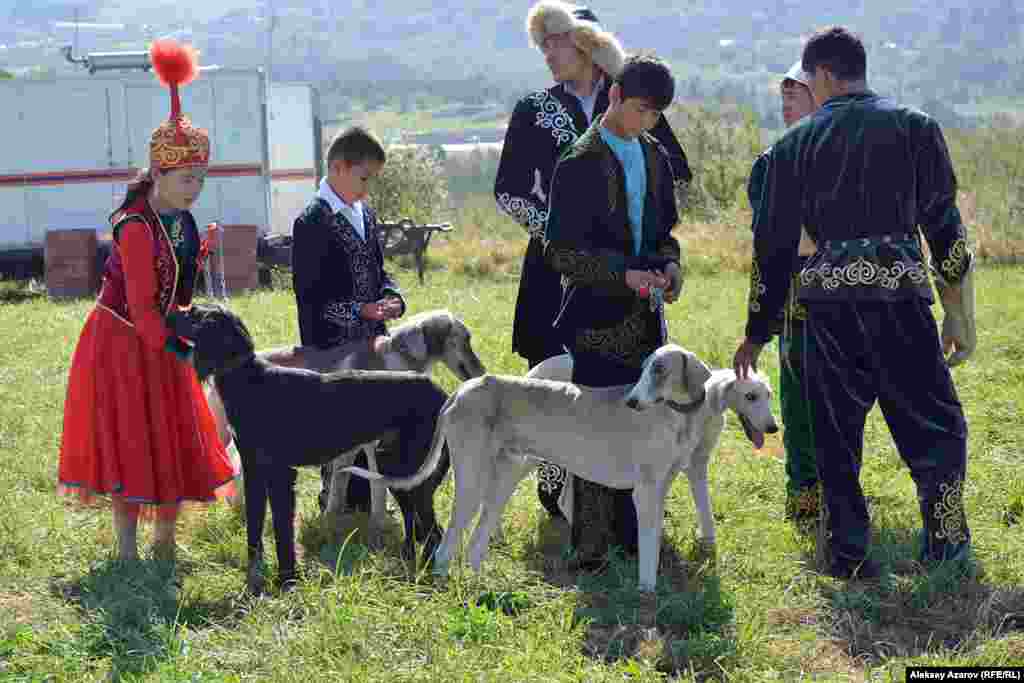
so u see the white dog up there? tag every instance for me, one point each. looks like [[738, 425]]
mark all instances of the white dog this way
[[637, 436]]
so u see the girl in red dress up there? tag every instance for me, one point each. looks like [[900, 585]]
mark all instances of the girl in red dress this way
[[136, 423]]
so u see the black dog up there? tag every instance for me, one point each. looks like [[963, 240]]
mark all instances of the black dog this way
[[287, 417]]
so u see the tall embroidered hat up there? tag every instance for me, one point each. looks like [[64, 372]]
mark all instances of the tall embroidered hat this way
[[176, 143], [549, 17]]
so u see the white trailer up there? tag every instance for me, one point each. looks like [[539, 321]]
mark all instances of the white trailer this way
[[70, 145]]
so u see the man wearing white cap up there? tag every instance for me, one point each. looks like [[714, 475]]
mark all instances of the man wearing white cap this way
[[801, 470], [583, 59]]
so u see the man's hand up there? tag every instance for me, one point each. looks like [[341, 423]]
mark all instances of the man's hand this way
[[745, 360], [640, 280], [959, 334], [675, 276], [393, 307], [387, 308]]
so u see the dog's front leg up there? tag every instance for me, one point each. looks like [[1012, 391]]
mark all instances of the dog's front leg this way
[[255, 482], [649, 512], [698, 478], [282, 511]]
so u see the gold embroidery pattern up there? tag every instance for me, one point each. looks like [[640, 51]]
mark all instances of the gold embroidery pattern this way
[[795, 310], [582, 267], [628, 343], [178, 143], [524, 212], [551, 478], [864, 273], [757, 288], [555, 117], [949, 512], [955, 263]]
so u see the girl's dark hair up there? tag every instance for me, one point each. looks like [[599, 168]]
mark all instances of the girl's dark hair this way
[[139, 185], [647, 77]]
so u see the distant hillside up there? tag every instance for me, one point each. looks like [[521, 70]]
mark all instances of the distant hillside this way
[[954, 55]]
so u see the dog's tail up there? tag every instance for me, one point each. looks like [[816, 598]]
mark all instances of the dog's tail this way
[[429, 464]]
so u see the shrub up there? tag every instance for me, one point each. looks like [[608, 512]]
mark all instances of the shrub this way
[[411, 185]]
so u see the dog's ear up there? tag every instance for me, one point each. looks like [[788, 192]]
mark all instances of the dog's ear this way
[[436, 331], [695, 373], [413, 343]]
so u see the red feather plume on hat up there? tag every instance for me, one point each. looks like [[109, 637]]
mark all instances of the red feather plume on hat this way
[[175, 65], [176, 142]]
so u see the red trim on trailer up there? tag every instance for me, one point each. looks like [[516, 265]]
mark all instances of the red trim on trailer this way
[[293, 174], [124, 175]]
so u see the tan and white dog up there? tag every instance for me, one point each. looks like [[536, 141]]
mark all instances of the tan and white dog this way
[[416, 345], [635, 436]]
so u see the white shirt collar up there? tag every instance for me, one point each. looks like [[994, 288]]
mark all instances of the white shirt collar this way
[[353, 212], [587, 102], [337, 204]]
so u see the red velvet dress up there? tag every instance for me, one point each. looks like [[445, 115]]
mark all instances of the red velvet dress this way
[[136, 421]]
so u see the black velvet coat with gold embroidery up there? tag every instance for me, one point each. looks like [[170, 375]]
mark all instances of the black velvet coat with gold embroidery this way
[[589, 239], [543, 126], [863, 175], [334, 272]]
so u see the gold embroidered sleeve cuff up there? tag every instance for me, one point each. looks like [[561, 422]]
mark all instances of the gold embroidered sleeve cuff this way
[[524, 212], [585, 267]]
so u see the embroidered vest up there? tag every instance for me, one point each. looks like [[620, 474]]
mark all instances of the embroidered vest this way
[[171, 288]]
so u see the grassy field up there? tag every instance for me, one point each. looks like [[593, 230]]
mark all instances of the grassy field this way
[[760, 612]]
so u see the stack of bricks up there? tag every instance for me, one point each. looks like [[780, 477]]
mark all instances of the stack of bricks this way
[[72, 269], [241, 269]]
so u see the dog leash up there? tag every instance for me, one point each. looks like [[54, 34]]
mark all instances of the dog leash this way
[[658, 306]]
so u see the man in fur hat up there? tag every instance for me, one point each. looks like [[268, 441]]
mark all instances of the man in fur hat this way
[[801, 470], [583, 59]]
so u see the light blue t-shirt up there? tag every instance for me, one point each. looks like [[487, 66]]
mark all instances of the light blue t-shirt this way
[[631, 155]]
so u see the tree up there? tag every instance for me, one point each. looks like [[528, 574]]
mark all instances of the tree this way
[[4, 75]]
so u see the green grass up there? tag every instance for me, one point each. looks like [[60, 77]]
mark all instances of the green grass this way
[[761, 612]]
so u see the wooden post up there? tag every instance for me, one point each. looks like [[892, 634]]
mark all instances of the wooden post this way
[[241, 269], [71, 264]]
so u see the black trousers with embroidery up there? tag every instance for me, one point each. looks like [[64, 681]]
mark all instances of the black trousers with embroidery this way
[[602, 516], [860, 352], [550, 478]]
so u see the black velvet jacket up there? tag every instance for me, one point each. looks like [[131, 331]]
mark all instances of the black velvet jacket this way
[[543, 126], [334, 272], [863, 175], [589, 238]]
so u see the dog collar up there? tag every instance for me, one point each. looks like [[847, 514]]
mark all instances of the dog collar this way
[[685, 408]]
